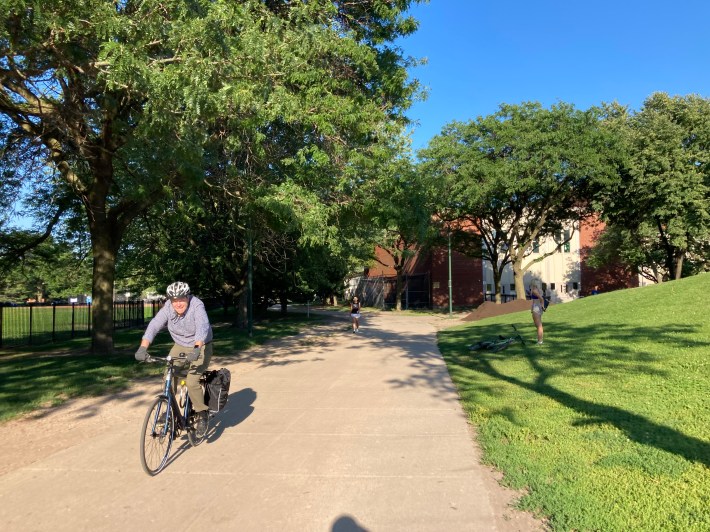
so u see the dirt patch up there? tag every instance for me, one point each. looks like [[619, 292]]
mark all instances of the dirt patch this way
[[491, 308]]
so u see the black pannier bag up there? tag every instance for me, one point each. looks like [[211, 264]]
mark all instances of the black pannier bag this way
[[216, 388]]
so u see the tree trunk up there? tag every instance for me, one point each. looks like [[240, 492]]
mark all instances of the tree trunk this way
[[399, 288], [104, 247], [678, 273], [496, 283], [242, 317], [519, 277]]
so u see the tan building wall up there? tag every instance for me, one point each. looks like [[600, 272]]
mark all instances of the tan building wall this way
[[564, 274]]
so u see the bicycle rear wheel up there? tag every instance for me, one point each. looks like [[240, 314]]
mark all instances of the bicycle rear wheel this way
[[157, 436], [500, 346], [194, 436]]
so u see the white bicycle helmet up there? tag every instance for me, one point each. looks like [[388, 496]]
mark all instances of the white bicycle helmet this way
[[178, 289]]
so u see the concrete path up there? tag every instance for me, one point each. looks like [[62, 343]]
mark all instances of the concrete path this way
[[324, 431]]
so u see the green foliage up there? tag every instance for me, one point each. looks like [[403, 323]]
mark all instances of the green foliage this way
[[660, 206], [126, 103], [393, 213], [606, 424], [517, 176], [53, 269]]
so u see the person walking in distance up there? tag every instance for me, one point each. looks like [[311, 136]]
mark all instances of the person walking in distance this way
[[538, 307], [187, 322], [355, 314]]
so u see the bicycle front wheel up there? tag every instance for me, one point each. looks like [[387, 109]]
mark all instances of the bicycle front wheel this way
[[157, 436]]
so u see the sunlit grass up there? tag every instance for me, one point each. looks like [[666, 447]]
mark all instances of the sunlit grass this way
[[607, 424]]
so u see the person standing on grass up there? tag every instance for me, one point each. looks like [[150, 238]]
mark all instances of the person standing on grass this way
[[538, 307], [186, 319], [355, 314]]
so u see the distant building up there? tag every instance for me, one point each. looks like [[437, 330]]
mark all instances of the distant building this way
[[564, 275]]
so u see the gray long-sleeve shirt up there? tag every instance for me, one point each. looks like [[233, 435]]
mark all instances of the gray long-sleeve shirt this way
[[193, 326]]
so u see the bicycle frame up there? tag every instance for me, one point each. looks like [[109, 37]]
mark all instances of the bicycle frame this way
[[499, 344], [181, 418]]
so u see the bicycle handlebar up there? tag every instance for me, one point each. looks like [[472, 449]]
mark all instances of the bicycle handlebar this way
[[181, 357]]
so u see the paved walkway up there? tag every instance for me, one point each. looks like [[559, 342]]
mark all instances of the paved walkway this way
[[324, 431]]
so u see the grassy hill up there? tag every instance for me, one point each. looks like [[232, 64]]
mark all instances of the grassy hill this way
[[607, 424]]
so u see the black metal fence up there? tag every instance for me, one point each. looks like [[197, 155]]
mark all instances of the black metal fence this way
[[381, 292], [34, 324]]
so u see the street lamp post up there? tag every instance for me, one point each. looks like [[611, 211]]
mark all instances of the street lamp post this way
[[450, 283], [250, 280]]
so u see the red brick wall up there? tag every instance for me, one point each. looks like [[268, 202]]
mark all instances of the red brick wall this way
[[466, 274], [466, 279], [384, 265], [608, 278]]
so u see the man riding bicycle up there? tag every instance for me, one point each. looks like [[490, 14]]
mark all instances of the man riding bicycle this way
[[189, 327]]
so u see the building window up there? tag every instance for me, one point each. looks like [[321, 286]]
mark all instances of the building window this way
[[489, 288], [512, 287], [544, 287], [536, 246], [575, 286], [552, 286], [568, 237]]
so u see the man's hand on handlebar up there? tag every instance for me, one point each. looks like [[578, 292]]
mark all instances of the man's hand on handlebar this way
[[191, 357], [142, 354]]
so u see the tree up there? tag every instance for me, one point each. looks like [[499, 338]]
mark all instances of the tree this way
[[53, 269], [520, 175], [395, 213], [122, 103], [632, 250], [660, 206]]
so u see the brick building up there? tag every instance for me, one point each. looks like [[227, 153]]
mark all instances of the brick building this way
[[564, 275]]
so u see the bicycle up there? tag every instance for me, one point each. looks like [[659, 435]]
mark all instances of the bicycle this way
[[498, 345], [166, 418]]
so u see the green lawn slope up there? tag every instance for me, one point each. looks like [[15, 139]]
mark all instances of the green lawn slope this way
[[607, 424]]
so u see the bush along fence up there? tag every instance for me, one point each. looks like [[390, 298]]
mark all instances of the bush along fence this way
[[35, 324]]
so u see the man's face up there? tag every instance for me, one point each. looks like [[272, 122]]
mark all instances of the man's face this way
[[179, 304]]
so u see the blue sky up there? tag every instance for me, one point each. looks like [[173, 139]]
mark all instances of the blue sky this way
[[481, 54]]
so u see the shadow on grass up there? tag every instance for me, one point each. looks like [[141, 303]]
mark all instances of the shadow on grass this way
[[569, 354]]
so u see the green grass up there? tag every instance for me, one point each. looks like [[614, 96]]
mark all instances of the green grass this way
[[41, 376], [607, 424]]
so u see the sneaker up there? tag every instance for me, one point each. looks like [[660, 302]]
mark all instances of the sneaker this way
[[201, 424], [539, 342]]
